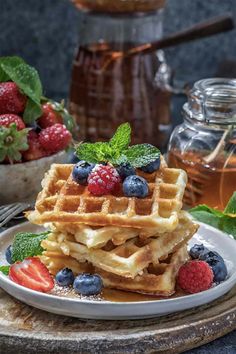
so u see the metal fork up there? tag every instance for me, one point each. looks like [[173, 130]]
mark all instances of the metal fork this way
[[9, 211]]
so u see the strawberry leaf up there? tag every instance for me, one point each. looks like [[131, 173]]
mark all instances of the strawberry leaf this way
[[12, 142]]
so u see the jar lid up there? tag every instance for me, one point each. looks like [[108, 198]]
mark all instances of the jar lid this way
[[119, 6], [212, 101]]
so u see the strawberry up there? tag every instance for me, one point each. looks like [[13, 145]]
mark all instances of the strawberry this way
[[12, 143], [35, 150], [32, 274], [11, 99], [7, 119], [49, 116], [54, 138]]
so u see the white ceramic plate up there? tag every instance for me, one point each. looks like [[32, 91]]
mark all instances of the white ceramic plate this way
[[93, 309]]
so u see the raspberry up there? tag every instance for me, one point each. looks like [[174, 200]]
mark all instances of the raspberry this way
[[103, 180], [195, 276], [54, 138]]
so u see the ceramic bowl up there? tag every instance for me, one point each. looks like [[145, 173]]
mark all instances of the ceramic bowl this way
[[22, 181]]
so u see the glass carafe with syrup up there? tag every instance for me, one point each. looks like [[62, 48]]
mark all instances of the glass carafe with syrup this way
[[109, 87], [205, 144]]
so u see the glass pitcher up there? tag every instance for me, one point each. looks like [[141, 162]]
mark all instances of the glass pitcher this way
[[108, 87], [205, 144]]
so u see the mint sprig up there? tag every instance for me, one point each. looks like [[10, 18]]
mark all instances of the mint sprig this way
[[117, 150], [27, 244], [222, 220], [28, 81], [5, 269]]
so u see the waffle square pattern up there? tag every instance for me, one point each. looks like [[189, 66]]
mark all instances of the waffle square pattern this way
[[64, 201]]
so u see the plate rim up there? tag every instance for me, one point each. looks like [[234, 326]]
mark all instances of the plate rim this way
[[231, 281]]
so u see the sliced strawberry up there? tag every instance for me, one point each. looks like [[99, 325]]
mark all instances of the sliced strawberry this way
[[32, 274]]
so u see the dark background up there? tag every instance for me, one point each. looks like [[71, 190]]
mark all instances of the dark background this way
[[45, 34]]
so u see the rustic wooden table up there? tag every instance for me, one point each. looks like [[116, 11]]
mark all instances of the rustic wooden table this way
[[24, 329]]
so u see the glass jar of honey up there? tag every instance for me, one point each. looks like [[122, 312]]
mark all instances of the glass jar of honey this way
[[205, 144], [109, 87]]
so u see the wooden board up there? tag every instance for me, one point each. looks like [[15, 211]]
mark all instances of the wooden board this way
[[24, 329]]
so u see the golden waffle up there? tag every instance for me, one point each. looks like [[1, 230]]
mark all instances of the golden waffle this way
[[158, 279], [63, 200], [128, 259]]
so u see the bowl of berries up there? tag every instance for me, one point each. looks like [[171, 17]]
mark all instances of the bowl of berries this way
[[34, 131]]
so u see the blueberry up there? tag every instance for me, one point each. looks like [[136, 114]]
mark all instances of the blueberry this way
[[125, 170], [73, 158], [217, 265], [152, 166], [65, 277], [8, 254], [88, 284], [81, 172], [135, 186], [198, 250]]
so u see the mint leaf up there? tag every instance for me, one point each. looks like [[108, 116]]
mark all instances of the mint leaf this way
[[228, 225], [215, 218], [95, 153], [121, 139], [206, 215], [32, 111], [27, 79], [5, 269], [27, 244], [13, 61], [231, 206], [141, 155]]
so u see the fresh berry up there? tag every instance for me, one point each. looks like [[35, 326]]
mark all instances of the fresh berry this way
[[195, 276], [65, 277], [11, 99], [135, 186], [152, 166], [35, 150], [8, 254], [125, 170], [49, 116], [103, 180], [7, 119], [217, 264], [81, 172], [88, 284], [12, 143], [32, 274], [197, 251], [54, 138]]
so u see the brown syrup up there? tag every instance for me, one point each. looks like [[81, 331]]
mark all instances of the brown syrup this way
[[114, 295], [106, 92], [208, 183]]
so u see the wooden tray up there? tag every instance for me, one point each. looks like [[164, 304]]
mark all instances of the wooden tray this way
[[28, 330]]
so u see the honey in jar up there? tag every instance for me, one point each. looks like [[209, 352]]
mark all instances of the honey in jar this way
[[205, 144], [107, 91]]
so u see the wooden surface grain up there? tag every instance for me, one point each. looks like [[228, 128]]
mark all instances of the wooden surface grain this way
[[24, 329]]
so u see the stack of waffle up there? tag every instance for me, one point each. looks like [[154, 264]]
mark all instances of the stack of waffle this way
[[134, 244]]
